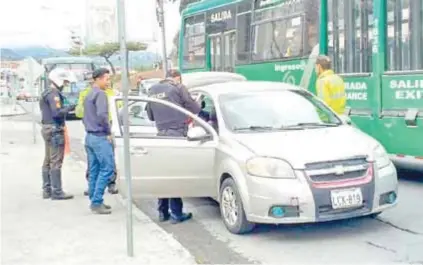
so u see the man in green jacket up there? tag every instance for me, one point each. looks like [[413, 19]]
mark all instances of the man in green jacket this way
[[79, 112]]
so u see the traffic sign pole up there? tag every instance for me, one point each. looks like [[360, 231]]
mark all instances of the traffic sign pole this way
[[32, 89], [126, 159], [31, 70]]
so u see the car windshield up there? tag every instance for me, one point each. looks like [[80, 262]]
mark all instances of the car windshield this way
[[275, 110]]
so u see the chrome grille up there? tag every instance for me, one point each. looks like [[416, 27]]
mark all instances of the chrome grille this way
[[337, 170]]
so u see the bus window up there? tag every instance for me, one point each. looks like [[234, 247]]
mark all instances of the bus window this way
[[285, 30], [350, 35], [243, 31], [404, 35], [194, 42]]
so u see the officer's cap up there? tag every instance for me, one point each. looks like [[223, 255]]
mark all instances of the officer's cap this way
[[173, 73], [100, 72]]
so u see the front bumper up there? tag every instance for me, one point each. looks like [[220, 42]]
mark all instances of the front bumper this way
[[307, 204]]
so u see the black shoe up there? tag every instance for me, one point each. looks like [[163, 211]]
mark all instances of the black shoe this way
[[46, 194], [86, 193], [63, 196], [100, 209], [163, 217], [112, 189], [175, 219]]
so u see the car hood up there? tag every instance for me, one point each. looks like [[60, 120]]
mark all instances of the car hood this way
[[300, 147]]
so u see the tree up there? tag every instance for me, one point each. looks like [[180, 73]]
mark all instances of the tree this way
[[109, 49]]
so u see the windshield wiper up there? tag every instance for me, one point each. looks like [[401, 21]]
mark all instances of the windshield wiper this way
[[302, 124], [254, 128]]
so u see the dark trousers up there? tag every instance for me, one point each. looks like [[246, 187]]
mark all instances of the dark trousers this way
[[54, 146], [175, 204]]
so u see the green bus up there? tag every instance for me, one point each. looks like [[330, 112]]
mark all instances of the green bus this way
[[80, 66], [376, 45]]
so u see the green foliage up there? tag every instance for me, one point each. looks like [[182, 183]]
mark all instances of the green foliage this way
[[106, 50]]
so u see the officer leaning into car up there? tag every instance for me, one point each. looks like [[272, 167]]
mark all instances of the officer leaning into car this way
[[170, 122], [53, 116]]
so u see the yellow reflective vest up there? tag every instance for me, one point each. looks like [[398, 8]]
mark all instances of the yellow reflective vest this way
[[331, 89], [79, 110]]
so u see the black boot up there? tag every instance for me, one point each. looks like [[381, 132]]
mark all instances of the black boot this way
[[46, 183], [56, 184]]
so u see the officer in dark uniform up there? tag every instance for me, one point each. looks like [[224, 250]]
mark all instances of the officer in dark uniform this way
[[53, 115], [170, 122]]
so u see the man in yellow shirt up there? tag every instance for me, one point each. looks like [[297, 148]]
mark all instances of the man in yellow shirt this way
[[79, 112], [329, 86]]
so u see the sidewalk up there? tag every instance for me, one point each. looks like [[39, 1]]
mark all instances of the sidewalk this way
[[37, 231], [10, 109]]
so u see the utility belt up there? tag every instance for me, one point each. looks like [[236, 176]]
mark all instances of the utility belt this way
[[57, 134]]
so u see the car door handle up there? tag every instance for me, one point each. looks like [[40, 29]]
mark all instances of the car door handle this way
[[138, 151]]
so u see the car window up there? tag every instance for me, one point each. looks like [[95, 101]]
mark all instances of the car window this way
[[274, 109], [137, 113]]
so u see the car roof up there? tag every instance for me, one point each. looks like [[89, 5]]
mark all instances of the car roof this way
[[201, 79], [245, 86]]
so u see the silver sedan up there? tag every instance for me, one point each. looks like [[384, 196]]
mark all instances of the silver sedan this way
[[269, 153]]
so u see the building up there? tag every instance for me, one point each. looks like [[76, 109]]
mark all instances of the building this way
[[101, 21]]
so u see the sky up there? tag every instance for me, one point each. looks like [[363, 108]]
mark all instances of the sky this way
[[47, 22]]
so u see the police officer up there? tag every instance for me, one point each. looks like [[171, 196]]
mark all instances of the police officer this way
[[170, 122], [329, 86], [53, 115]]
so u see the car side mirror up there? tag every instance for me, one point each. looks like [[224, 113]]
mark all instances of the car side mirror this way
[[346, 119], [197, 133]]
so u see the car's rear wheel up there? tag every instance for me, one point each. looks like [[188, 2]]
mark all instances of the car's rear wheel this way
[[232, 209]]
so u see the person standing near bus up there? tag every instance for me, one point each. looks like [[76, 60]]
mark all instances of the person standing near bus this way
[[79, 112], [330, 87]]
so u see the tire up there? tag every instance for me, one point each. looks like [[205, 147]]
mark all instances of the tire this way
[[240, 225]]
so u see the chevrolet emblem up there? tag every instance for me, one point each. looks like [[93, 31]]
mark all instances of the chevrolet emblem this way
[[339, 170]]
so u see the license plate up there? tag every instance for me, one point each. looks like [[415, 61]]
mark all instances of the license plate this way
[[347, 198]]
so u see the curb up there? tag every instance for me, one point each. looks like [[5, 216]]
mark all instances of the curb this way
[[143, 218], [19, 114]]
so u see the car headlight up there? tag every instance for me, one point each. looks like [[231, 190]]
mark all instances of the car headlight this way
[[270, 168], [381, 157]]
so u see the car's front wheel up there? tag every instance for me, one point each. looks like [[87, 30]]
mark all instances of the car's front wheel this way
[[232, 209]]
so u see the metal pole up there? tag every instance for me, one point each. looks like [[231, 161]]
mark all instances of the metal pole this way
[[32, 89], [162, 25], [127, 161], [15, 89]]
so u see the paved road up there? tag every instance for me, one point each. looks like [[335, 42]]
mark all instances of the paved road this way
[[395, 236]]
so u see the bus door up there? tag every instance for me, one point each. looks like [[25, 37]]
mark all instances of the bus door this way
[[223, 51], [215, 52]]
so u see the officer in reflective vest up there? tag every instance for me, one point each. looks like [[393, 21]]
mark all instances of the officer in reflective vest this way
[[170, 122], [329, 86], [53, 116]]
